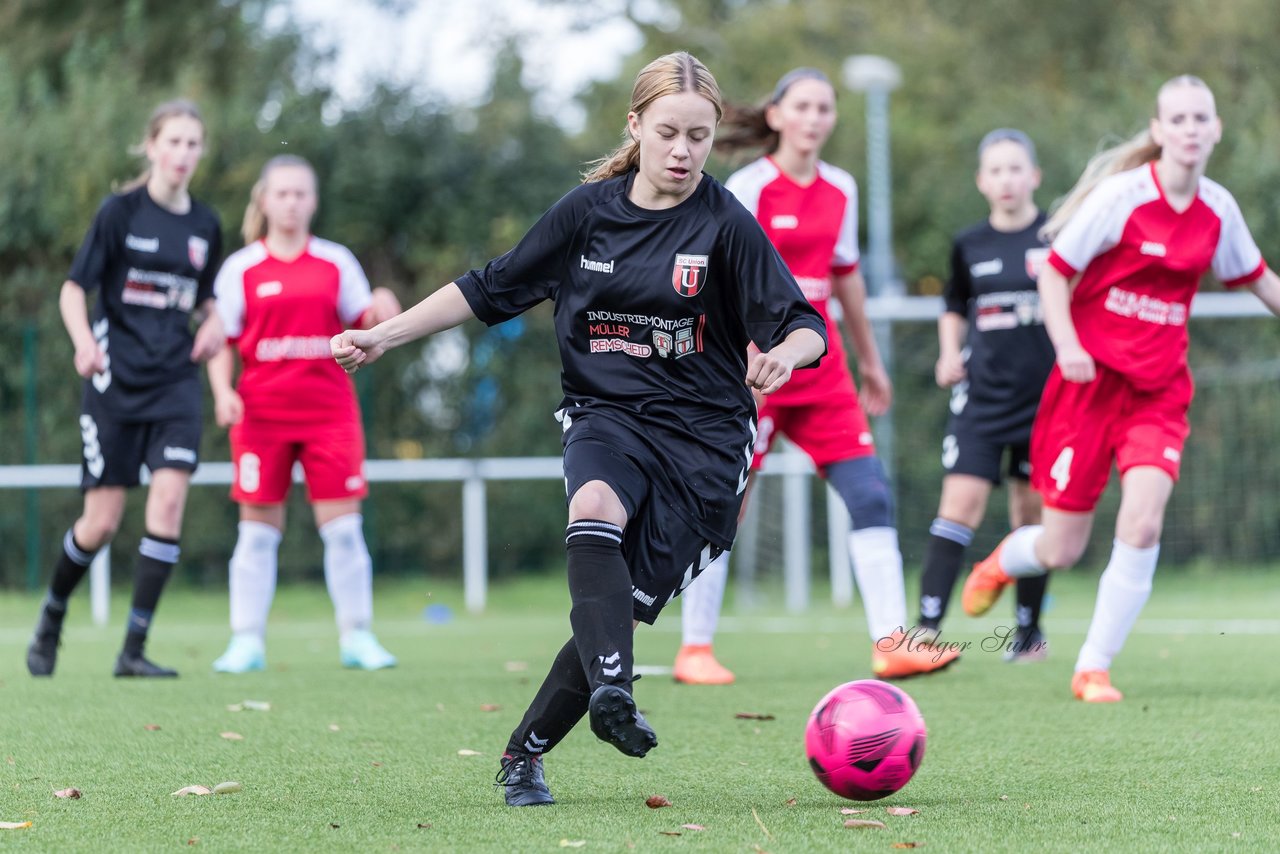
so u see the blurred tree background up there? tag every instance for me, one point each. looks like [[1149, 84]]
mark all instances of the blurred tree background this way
[[422, 190]]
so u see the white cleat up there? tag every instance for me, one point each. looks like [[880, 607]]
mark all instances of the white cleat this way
[[245, 653], [361, 649]]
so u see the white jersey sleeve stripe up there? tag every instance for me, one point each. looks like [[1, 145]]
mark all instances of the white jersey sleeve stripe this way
[[228, 287], [1099, 223], [846, 252], [354, 294], [1237, 260], [747, 183]]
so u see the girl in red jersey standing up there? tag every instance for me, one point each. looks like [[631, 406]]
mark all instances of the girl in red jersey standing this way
[[281, 298], [809, 210], [1130, 244]]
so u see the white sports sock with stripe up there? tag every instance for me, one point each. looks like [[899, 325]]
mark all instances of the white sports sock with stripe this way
[[701, 601]]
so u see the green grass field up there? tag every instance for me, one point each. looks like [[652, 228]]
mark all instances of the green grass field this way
[[347, 761]]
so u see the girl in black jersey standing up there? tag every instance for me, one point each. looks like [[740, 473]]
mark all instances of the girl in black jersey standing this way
[[994, 355], [151, 255], [660, 278]]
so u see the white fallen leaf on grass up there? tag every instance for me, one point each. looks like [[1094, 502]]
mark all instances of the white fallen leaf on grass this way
[[193, 790], [862, 822], [465, 752], [232, 736], [901, 811], [14, 825], [72, 793], [228, 788]]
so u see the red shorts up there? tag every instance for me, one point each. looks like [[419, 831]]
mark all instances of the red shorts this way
[[828, 430], [263, 454], [1081, 428]]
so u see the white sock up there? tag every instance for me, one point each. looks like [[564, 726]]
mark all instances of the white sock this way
[[1018, 556], [1122, 591], [253, 577], [877, 566], [700, 603], [348, 572]]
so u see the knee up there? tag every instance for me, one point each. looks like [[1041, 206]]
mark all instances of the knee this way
[[93, 532], [1059, 554], [1141, 533], [596, 500]]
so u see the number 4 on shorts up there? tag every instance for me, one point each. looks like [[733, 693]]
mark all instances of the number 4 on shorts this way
[[1061, 470]]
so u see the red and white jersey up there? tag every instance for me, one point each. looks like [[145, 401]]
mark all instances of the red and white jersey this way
[[1142, 264], [280, 315], [815, 229]]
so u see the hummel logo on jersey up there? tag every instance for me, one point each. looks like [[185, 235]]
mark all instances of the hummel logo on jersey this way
[[142, 244], [1150, 247], [596, 266], [987, 268], [785, 221], [1172, 455], [269, 289]]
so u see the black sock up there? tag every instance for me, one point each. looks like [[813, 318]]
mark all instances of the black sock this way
[[1030, 599], [558, 706], [71, 567], [942, 560], [600, 590], [156, 557]]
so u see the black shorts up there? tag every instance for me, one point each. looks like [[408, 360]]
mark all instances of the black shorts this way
[[662, 552], [965, 452], [115, 450]]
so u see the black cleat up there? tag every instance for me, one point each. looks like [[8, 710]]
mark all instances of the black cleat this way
[[42, 653], [522, 782], [134, 664], [615, 719]]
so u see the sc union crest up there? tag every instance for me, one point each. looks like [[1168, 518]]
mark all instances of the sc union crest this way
[[690, 274], [1035, 259], [198, 251]]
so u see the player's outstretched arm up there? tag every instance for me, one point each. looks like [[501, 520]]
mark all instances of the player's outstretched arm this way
[[876, 390], [768, 372], [1055, 299], [444, 309], [1267, 289], [74, 307]]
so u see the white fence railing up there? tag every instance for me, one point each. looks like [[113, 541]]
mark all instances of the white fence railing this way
[[475, 474]]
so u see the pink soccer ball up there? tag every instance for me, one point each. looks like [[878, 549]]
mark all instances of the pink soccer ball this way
[[865, 739]]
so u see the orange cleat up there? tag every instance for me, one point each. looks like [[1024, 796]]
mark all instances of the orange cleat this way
[[1094, 686], [902, 655], [697, 665], [985, 584]]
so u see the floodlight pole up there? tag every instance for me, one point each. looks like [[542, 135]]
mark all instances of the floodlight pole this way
[[876, 77]]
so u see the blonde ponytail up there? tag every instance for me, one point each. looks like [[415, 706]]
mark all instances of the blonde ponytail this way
[[1130, 154]]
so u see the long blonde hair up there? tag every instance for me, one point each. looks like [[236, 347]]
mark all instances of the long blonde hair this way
[[667, 75], [161, 114], [1133, 152], [254, 225]]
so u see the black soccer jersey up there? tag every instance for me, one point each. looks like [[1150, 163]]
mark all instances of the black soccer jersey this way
[[151, 268], [993, 284], [654, 310]]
